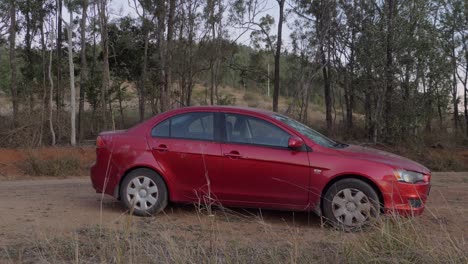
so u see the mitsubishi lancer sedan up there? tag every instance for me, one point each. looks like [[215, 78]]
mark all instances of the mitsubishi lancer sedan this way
[[244, 157]]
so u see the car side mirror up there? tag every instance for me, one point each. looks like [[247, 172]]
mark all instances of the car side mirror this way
[[295, 142]]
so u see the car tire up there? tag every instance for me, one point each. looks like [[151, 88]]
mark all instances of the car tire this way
[[350, 205], [144, 192]]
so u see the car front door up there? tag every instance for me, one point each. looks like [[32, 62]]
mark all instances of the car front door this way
[[258, 167], [186, 149]]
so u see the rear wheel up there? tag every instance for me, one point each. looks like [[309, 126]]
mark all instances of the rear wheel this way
[[144, 192], [350, 204]]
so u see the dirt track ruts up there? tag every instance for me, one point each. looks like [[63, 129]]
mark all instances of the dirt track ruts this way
[[34, 208]]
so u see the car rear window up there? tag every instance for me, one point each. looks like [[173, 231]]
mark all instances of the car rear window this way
[[198, 126]]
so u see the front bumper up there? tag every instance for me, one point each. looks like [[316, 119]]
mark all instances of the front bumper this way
[[406, 199]]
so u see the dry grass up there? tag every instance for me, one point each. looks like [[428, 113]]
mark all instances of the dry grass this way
[[401, 240], [147, 240], [35, 166], [437, 159]]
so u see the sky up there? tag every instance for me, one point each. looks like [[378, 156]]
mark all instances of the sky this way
[[120, 8]]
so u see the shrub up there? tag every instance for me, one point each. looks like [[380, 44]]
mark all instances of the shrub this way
[[34, 166], [227, 99], [251, 99]]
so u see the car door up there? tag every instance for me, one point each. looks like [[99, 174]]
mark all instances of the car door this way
[[258, 167], [186, 150]]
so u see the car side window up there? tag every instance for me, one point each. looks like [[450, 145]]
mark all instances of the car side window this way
[[198, 125], [161, 130], [251, 130]]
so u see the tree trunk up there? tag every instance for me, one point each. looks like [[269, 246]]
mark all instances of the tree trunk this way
[[454, 84], [405, 118], [439, 109], [466, 108], [464, 81], [389, 69], [190, 43], [58, 99], [121, 110], [368, 113], [105, 54], [465, 89], [71, 66], [429, 103], [30, 64], [349, 91], [51, 90], [326, 89], [327, 92], [13, 81], [170, 35], [84, 70], [161, 16], [142, 86], [278, 56], [214, 61], [44, 76]]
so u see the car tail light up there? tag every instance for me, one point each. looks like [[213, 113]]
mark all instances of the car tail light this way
[[99, 142]]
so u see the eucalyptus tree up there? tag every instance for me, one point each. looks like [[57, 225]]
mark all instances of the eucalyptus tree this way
[[191, 60], [321, 16], [71, 6], [4, 20], [51, 80], [126, 41], [83, 67], [59, 90], [102, 6], [246, 15], [145, 11], [13, 66], [213, 16], [348, 34]]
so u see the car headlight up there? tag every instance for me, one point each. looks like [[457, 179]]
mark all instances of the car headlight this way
[[408, 176]]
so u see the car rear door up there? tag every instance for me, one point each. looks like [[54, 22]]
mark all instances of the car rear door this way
[[258, 167], [186, 149]]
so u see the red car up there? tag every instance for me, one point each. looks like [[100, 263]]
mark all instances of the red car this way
[[253, 158]]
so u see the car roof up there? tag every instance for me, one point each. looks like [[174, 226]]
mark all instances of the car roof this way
[[187, 109], [228, 108]]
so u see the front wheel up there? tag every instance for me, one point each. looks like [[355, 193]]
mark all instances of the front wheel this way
[[350, 204], [144, 192]]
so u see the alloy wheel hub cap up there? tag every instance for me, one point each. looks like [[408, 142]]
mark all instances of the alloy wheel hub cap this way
[[351, 206], [143, 193]]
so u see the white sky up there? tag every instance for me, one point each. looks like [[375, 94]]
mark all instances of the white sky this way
[[119, 8]]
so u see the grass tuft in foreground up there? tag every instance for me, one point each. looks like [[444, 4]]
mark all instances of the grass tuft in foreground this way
[[148, 240]]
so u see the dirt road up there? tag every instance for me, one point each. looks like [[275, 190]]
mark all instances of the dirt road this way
[[40, 208]]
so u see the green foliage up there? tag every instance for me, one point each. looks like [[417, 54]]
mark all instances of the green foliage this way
[[126, 49], [4, 70], [350, 40]]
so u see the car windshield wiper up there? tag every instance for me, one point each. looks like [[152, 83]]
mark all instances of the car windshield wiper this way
[[340, 145]]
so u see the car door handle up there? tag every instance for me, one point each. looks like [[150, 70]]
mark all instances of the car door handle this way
[[233, 154], [161, 148]]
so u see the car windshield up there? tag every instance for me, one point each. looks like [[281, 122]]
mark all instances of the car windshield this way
[[309, 132]]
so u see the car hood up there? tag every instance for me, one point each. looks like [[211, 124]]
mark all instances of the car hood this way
[[384, 157]]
